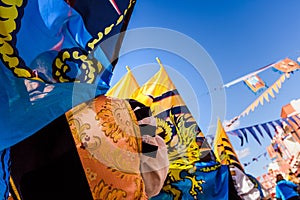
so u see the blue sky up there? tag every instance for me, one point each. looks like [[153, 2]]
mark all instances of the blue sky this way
[[235, 38]]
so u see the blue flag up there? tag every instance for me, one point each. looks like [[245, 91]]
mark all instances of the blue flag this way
[[208, 180], [4, 173], [52, 59]]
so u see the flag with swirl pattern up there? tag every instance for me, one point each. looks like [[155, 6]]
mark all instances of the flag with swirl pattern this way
[[51, 51], [207, 181]]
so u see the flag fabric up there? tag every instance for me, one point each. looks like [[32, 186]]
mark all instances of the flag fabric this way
[[245, 188], [108, 141], [46, 67], [52, 59], [4, 173], [263, 192], [255, 83], [101, 160], [207, 181], [223, 148], [286, 65], [125, 87], [46, 166], [184, 138], [185, 142], [226, 155]]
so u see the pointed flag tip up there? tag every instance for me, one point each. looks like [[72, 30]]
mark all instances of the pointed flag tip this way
[[158, 60]]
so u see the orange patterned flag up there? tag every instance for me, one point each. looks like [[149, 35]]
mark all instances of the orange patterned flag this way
[[255, 83], [286, 65]]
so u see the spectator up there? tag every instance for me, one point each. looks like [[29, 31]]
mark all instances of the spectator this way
[[285, 190]]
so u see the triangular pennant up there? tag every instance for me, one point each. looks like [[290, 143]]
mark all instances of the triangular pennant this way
[[266, 128], [282, 78], [259, 130], [266, 96], [237, 133], [250, 129], [223, 148], [278, 83], [125, 87], [273, 125], [275, 87], [256, 103], [293, 120], [270, 92], [279, 123], [286, 121], [244, 133], [175, 124], [261, 100]]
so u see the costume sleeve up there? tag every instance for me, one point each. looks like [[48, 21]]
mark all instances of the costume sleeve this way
[[291, 184]]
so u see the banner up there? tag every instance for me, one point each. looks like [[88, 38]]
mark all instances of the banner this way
[[175, 124], [46, 67], [288, 125], [207, 181], [265, 95], [255, 83], [286, 65], [244, 186], [4, 173], [125, 87], [223, 148]]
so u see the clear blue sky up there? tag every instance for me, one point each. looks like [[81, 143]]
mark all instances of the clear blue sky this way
[[239, 37]]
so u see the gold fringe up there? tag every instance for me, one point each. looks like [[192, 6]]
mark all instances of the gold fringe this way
[[14, 188]]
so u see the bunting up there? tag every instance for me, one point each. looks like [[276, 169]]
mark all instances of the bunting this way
[[286, 124], [266, 94], [125, 87], [223, 148], [255, 159]]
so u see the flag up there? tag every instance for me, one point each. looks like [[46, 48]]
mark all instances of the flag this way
[[4, 173], [46, 67], [255, 83], [263, 192], [286, 65], [107, 138], [125, 87], [185, 142], [223, 148], [245, 188], [207, 181], [253, 133]]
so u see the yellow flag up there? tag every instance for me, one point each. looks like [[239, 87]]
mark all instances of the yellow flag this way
[[186, 143], [125, 87], [223, 148]]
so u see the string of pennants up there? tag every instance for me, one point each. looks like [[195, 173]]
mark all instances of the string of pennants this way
[[260, 129], [286, 67], [255, 159]]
